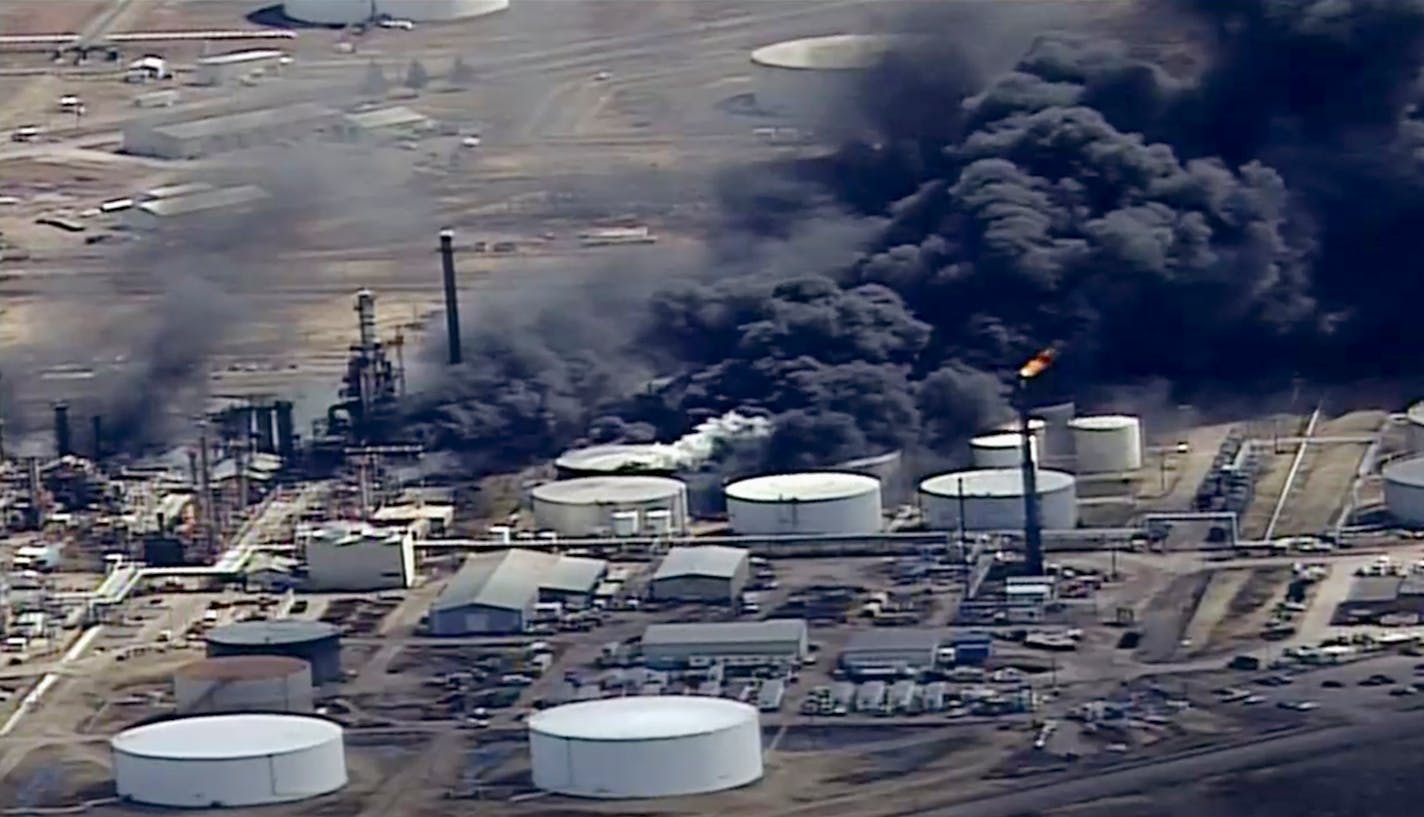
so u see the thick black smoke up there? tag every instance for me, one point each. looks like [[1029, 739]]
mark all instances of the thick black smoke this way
[[1239, 222]]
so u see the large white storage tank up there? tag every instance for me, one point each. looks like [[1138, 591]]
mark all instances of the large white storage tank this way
[[347, 12], [1404, 491], [594, 506], [1002, 450], [229, 760], [819, 502], [645, 746], [802, 78], [1057, 442], [1415, 426], [993, 500], [244, 683], [1107, 444]]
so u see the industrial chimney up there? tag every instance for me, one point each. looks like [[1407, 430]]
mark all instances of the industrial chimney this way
[[98, 423], [62, 443], [452, 298], [286, 439]]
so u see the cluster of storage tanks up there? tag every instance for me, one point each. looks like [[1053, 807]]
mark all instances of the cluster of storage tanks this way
[[243, 734], [628, 490], [1404, 478]]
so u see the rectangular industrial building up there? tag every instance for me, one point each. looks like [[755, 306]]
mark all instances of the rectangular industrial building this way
[[201, 137], [705, 573], [219, 69], [1370, 596], [497, 592], [385, 123], [883, 651], [427, 519], [360, 558], [226, 200], [745, 642]]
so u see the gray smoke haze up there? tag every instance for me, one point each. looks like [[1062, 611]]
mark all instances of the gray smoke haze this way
[[208, 282]]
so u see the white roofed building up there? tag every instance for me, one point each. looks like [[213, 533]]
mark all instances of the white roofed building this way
[[777, 640], [360, 557]]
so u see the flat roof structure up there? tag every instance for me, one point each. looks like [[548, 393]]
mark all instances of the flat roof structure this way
[[247, 121], [1374, 589], [894, 639], [237, 57], [396, 117], [716, 561], [772, 630], [511, 579], [203, 201]]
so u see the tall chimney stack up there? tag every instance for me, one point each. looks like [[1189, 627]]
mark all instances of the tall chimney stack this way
[[286, 433], [452, 298], [98, 423], [62, 443]]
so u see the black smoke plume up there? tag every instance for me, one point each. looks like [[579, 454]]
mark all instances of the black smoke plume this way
[[1238, 221]]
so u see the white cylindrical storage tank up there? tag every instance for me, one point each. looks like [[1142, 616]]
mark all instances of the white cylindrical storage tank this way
[[328, 12], [1037, 427], [434, 11], [1404, 491], [801, 79], [229, 760], [1107, 444], [1003, 450], [1415, 425], [588, 506], [625, 523], [817, 502], [646, 746], [244, 683], [993, 500], [618, 459], [1057, 442], [348, 12]]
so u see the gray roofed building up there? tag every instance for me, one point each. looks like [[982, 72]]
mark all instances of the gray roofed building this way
[[885, 651], [703, 573], [203, 201], [497, 592], [704, 560], [752, 642], [1372, 596], [197, 137], [384, 121]]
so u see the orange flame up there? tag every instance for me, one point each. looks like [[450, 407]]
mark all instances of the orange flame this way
[[1038, 364]]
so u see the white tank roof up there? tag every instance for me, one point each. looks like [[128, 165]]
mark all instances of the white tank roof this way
[[838, 52], [990, 482], [224, 737], [1406, 472], [615, 457], [601, 490], [1034, 424], [1006, 439], [1102, 422], [1415, 414], [812, 486], [641, 718]]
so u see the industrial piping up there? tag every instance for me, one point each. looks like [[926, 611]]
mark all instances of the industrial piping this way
[[452, 303]]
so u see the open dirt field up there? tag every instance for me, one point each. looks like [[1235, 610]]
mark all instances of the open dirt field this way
[[19, 17]]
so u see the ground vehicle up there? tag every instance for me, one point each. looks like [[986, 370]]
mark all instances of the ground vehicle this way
[[26, 133]]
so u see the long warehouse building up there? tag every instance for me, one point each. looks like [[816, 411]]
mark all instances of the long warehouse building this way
[[776, 640], [201, 137]]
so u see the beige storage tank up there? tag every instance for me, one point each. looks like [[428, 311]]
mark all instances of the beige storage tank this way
[[600, 506], [993, 500], [1003, 450], [1107, 444], [243, 683]]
